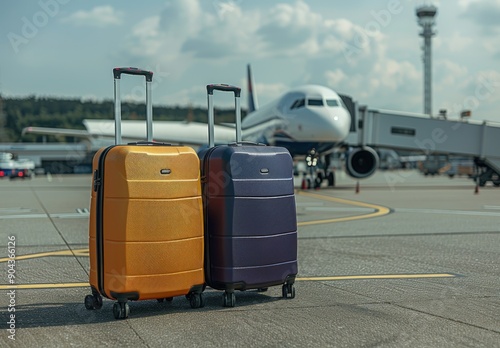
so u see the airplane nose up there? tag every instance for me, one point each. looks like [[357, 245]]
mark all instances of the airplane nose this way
[[332, 125]]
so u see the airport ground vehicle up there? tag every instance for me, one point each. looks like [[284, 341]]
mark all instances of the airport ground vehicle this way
[[435, 165], [15, 168], [461, 166]]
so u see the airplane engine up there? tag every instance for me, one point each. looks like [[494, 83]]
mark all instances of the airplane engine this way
[[361, 162]]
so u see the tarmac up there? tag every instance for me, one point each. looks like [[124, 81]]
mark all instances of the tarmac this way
[[405, 261]]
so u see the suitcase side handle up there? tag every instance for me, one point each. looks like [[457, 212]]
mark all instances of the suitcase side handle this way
[[117, 72], [133, 71], [211, 119]]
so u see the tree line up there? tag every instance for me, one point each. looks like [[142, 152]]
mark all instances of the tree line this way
[[18, 113]]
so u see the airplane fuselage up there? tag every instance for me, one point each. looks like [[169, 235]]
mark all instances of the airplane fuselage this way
[[305, 118]]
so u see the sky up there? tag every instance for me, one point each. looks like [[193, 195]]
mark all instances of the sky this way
[[368, 49]]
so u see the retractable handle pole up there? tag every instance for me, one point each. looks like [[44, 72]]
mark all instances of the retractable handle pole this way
[[211, 119], [117, 72]]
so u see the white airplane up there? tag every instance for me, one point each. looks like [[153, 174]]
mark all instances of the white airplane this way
[[310, 121]]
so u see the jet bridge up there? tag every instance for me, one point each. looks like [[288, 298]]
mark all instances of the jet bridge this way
[[420, 134]]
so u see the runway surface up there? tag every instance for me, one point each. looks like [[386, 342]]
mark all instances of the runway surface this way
[[408, 261]]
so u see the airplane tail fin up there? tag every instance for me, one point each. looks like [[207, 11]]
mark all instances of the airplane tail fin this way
[[252, 99]]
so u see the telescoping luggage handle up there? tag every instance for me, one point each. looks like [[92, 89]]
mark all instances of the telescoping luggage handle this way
[[117, 72], [211, 120]]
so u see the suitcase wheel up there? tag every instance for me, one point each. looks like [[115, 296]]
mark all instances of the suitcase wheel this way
[[93, 302], [121, 310], [288, 290], [196, 300], [228, 299]]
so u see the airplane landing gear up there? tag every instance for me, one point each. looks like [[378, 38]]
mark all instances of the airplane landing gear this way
[[331, 179], [314, 177], [330, 175], [312, 162]]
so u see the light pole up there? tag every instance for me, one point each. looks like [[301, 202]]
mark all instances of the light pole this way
[[426, 16]]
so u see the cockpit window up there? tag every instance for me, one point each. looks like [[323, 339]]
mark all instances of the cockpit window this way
[[315, 102], [332, 102], [343, 104], [298, 104]]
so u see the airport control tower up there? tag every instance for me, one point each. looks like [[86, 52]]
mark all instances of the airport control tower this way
[[426, 16]]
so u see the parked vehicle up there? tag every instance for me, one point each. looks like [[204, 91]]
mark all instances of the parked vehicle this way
[[435, 165], [461, 166], [15, 168]]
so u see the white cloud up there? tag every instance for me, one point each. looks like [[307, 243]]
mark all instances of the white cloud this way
[[484, 14], [287, 27], [448, 74], [479, 92], [267, 91], [184, 30], [146, 36], [393, 74], [185, 96], [491, 46], [466, 3], [388, 84], [100, 16], [334, 78], [185, 17], [458, 42], [285, 30], [485, 86]]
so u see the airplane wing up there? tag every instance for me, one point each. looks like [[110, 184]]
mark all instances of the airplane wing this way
[[56, 131], [102, 131], [192, 133]]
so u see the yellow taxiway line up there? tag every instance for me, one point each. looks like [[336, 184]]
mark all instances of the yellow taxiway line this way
[[379, 276], [379, 210], [301, 279], [76, 252], [44, 286]]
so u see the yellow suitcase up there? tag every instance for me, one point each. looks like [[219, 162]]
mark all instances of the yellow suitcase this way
[[146, 220]]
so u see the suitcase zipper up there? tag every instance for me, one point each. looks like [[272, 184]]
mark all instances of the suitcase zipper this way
[[99, 189], [204, 180], [97, 180]]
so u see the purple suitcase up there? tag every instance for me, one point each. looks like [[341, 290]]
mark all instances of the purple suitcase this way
[[250, 214]]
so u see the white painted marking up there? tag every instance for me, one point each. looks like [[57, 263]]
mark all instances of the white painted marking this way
[[70, 215], [450, 212], [23, 216], [16, 210], [343, 210], [41, 216], [491, 207], [309, 204]]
